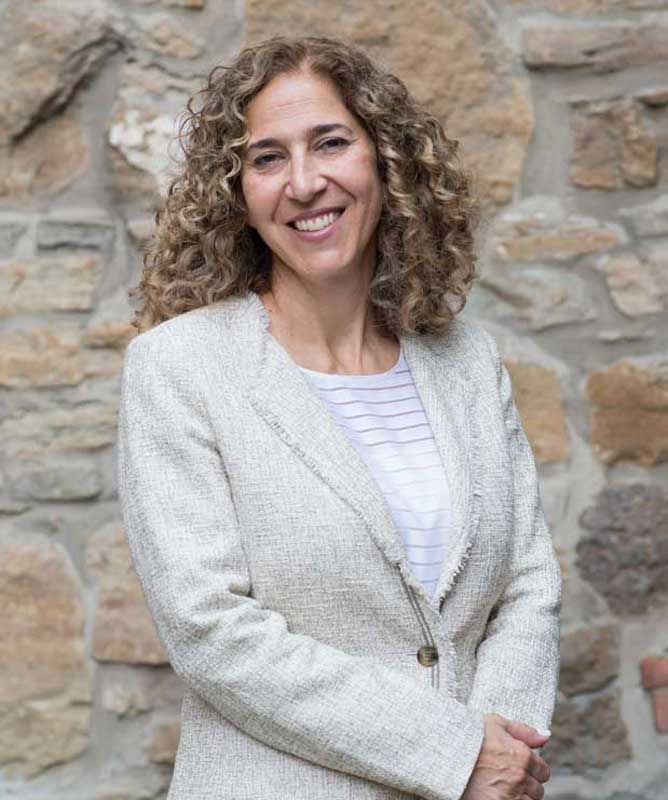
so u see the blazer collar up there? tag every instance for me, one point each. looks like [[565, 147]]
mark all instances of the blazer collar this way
[[282, 395]]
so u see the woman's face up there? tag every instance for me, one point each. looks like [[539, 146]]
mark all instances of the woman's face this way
[[309, 164]]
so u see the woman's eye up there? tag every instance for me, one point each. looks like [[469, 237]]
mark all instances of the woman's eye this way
[[333, 143], [264, 160]]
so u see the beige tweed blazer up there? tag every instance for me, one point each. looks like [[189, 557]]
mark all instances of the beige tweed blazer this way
[[316, 666]]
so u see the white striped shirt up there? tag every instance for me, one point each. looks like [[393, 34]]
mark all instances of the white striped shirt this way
[[383, 416]]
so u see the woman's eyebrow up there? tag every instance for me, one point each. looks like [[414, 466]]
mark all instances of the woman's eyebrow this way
[[316, 130]]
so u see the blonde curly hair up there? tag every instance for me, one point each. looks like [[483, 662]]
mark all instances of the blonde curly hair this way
[[202, 250]]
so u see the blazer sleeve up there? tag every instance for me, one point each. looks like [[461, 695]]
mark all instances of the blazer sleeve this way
[[288, 690], [518, 658]]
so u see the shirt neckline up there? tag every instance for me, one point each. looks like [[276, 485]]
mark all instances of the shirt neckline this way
[[355, 376]]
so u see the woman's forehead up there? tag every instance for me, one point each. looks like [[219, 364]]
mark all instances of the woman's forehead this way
[[298, 98]]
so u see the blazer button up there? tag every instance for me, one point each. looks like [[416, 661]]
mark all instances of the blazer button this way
[[427, 655]]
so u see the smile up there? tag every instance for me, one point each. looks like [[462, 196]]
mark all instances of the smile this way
[[317, 228]]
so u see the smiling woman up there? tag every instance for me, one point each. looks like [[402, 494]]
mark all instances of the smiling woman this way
[[330, 501], [316, 123], [314, 199]]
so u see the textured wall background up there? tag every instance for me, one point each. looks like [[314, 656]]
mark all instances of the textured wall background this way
[[562, 108]]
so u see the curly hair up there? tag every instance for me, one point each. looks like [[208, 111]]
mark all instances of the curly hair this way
[[202, 250]]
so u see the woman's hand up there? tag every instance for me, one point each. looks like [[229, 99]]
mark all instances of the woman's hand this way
[[507, 768]]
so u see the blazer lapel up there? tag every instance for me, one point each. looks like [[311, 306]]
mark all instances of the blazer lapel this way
[[280, 393]]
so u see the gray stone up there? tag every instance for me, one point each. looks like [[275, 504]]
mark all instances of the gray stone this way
[[10, 233], [56, 480], [75, 233], [589, 658], [650, 219], [624, 555], [535, 297], [588, 735]]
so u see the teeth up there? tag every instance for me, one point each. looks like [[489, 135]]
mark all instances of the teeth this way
[[317, 223]]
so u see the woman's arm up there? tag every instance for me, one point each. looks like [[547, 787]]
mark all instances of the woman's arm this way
[[288, 690], [518, 658]]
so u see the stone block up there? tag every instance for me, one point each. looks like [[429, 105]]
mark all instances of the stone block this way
[[638, 285], [75, 231], [49, 283], [615, 146], [649, 219], [599, 48], [45, 691], [46, 160], [588, 735], [123, 629], [538, 398], [589, 658], [629, 420], [624, 550], [49, 47]]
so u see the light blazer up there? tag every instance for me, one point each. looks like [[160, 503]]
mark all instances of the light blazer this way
[[279, 584]]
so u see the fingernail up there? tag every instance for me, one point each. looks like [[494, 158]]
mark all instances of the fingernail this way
[[543, 732]]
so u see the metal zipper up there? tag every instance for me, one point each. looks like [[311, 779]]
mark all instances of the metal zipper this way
[[435, 672]]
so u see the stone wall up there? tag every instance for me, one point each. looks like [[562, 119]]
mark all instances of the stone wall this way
[[561, 107]]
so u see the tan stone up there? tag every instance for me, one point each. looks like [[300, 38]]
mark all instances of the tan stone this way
[[467, 80], [169, 38], [41, 357], [123, 629], [637, 286], [60, 430], [46, 160], [49, 283], [563, 244], [57, 356], [600, 48], [45, 689], [108, 333], [193, 4], [629, 421], [537, 394], [614, 146], [165, 742], [540, 230], [590, 6], [48, 47]]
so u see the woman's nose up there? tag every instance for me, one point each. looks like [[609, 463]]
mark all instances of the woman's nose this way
[[305, 179]]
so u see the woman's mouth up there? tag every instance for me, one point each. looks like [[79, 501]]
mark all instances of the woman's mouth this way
[[317, 228]]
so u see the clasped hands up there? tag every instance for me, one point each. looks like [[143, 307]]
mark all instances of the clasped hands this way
[[507, 768]]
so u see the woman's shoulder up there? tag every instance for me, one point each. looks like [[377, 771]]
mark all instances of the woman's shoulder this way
[[468, 343], [192, 334]]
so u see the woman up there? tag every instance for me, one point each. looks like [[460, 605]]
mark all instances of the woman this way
[[342, 632]]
